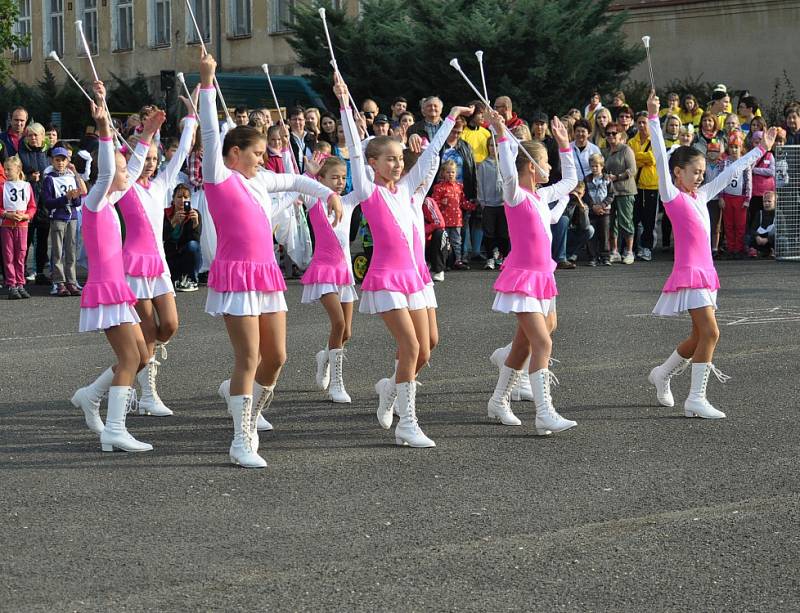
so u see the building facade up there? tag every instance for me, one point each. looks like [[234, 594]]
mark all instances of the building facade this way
[[148, 36]]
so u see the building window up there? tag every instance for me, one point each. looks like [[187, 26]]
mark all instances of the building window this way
[[54, 26], [23, 28], [202, 13], [88, 14], [161, 19], [281, 16], [122, 25], [239, 18]]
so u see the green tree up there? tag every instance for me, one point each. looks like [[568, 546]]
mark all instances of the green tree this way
[[544, 54], [9, 11]]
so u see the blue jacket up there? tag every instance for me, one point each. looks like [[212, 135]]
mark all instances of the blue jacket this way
[[59, 208]]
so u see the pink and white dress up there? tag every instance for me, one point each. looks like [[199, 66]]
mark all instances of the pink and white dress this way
[[526, 283], [693, 283], [244, 278], [330, 271], [142, 208], [107, 300], [394, 279]]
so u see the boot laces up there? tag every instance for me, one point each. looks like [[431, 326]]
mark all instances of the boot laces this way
[[550, 380], [552, 361], [247, 432], [516, 375], [132, 401], [162, 347], [338, 368], [721, 377], [679, 369], [152, 371]]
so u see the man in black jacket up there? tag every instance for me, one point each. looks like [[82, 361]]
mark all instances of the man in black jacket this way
[[539, 132], [302, 142]]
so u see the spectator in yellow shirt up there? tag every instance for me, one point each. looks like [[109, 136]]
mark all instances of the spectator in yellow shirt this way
[[475, 135], [690, 112], [645, 205]]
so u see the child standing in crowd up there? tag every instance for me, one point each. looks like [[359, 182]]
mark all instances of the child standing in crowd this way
[[713, 168], [107, 300], [450, 198], [782, 178], [599, 196], [763, 175], [526, 285], [61, 195], [19, 207], [435, 238], [735, 197], [761, 236], [274, 156], [490, 197], [693, 284]]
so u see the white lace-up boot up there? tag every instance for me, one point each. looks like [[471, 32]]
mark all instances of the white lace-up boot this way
[[522, 389], [500, 403], [661, 375], [323, 376], [241, 451], [547, 419], [114, 434], [88, 399], [696, 404], [262, 400], [408, 431], [336, 391], [150, 403], [387, 403]]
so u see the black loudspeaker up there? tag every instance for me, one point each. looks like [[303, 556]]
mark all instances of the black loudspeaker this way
[[167, 80]]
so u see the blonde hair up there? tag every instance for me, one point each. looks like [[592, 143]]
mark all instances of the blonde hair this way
[[445, 165], [597, 157], [329, 164], [378, 145], [536, 149], [37, 128], [12, 161], [522, 132]]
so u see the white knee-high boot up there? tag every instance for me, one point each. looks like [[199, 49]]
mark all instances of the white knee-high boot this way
[[88, 399], [262, 398], [547, 419], [408, 431], [150, 403], [241, 451], [696, 404], [336, 391], [522, 389], [387, 394], [114, 434], [660, 377], [323, 377], [500, 403]]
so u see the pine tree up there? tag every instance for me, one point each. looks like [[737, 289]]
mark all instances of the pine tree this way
[[544, 54]]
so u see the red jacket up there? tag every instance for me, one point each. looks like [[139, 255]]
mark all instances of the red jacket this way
[[451, 200], [275, 163], [434, 220], [515, 121], [30, 209]]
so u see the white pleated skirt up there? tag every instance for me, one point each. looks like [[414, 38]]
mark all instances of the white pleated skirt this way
[[522, 303], [105, 316], [147, 288], [430, 297], [675, 303], [314, 291], [244, 304], [383, 300]]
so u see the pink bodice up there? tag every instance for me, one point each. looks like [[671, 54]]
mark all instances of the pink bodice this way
[[694, 266], [106, 282], [329, 264], [140, 253], [245, 259], [529, 267], [392, 267]]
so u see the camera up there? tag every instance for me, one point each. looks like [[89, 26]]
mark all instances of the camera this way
[[187, 206]]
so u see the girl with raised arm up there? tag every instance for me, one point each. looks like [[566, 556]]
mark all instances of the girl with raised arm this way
[[107, 303], [393, 287], [693, 284], [526, 285], [146, 268], [245, 285]]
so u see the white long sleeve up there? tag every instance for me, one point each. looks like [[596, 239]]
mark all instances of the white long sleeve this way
[[507, 150], [416, 176], [666, 188], [106, 169], [362, 186], [560, 191], [169, 175], [712, 188], [214, 169]]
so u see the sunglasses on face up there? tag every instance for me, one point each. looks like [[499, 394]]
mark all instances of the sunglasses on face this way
[[369, 114], [611, 133]]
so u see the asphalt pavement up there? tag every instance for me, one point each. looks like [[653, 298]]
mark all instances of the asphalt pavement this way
[[636, 509]]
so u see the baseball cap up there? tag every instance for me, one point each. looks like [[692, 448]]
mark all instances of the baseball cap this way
[[718, 94], [380, 119], [714, 147], [539, 117], [60, 151]]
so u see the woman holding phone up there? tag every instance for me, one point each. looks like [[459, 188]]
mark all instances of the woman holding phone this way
[[182, 228]]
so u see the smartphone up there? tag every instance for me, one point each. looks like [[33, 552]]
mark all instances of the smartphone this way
[[187, 206]]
